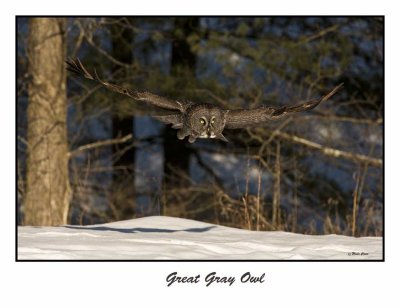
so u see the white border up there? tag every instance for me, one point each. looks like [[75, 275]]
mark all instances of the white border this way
[[133, 284]]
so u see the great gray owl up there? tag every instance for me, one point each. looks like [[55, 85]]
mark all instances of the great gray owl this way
[[201, 120]]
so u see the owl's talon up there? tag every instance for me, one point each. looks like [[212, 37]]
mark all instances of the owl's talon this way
[[192, 139], [180, 135]]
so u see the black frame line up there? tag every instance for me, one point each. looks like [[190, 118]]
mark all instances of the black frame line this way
[[194, 260]]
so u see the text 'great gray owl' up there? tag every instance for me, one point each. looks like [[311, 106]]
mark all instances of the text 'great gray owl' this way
[[202, 120]]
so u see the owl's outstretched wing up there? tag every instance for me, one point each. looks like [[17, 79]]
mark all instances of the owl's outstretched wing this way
[[242, 118], [77, 67]]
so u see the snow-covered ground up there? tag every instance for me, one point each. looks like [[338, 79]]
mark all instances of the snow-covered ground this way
[[159, 237]]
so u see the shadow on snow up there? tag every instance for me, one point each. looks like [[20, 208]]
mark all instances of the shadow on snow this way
[[144, 230]]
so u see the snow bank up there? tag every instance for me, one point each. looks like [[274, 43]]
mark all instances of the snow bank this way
[[161, 238]]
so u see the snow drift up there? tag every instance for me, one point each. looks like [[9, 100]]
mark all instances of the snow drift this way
[[165, 238]]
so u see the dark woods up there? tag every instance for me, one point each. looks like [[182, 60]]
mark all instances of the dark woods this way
[[86, 155]]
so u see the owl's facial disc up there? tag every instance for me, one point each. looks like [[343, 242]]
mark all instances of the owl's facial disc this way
[[207, 123]]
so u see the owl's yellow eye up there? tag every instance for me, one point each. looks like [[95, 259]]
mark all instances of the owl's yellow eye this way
[[202, 121], [212, 121]]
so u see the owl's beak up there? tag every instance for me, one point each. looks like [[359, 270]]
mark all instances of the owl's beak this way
[[209, 133]]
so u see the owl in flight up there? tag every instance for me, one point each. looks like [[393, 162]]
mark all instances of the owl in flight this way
[[195, 120]]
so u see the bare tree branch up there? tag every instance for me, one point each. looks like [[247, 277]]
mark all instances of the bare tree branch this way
[[328, 117], [317, 35], [97, 144], [331, 151]]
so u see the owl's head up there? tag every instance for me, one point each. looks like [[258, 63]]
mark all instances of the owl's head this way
[[207, 122]]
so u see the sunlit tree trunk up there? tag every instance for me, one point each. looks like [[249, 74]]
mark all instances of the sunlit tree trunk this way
[[48, 189]]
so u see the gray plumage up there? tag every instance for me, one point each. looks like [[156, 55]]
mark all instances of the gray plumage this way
[[201, 120]]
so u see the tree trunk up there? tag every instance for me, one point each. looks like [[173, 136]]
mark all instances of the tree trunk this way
[[123, 187], [176, 152], [48, 190]]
